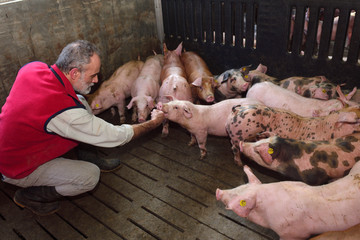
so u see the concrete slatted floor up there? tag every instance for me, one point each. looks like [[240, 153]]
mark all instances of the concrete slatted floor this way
[[162, 191]]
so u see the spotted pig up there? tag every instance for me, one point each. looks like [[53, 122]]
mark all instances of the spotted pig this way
[[247, 122], [313, 162], [233, 83]]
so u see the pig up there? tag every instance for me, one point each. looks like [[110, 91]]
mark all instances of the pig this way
[[248, 122], [309, 161], [116, 89], [145, 89], [259, 75], [233, 83], [307, 86], [311, 87], [348, 234], [201, 120], [173, 81], [295, 210], [200, 78], [275, 96]]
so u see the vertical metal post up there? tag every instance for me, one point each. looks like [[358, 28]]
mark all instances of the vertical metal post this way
[[159, 21]]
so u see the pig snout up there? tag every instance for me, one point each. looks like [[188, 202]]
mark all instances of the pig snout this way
[[159, 106], [219, 194], [141, 119], [210, 98]]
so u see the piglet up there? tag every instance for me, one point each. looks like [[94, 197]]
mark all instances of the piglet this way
[[295, 210], [313, 162], [259, 75], [249, 122], [275, 96], [200, 78], [233, 83], [201, 120], [146, 87], [173, 80], [116, 89]]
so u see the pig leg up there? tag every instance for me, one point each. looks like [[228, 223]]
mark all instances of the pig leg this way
[[165, 129], [192, 140], [134, 114], [236, 152], [202, 144], [121, 110]]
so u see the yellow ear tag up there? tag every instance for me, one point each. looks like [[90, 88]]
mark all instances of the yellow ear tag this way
[[246, 76], [324, 91], [97, 105], [346, 95], [243, 203], [271, 151], [243, 69]]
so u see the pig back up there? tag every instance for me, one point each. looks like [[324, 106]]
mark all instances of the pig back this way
[[195, 66], [119, 83]]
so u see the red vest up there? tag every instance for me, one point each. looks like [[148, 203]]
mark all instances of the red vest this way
[[39, 93]]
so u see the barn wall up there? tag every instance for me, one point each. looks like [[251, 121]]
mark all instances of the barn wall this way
[[38, 30]]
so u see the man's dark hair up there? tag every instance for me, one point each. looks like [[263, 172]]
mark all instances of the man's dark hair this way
[[76, 55]]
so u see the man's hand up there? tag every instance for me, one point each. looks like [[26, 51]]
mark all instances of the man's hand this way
[[157, 117]]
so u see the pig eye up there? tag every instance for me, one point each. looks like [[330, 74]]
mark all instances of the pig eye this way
[[175, 107]]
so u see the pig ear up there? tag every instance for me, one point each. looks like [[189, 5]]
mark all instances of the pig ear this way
[[170, 98], [246, 205], [179, 49], [262, 68], [348, 117], [130, 105], [187, 112], [251, 176], [245, 70], [197, 82], [215, 83]]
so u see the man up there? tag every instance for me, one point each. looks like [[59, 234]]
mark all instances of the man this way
[[43, 118]]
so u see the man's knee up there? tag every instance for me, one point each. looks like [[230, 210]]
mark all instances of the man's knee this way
[[91, 176]]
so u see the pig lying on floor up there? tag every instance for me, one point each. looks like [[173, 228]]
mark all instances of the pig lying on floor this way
[[313, 162], [275, 96], [246, 123], [295, 210]]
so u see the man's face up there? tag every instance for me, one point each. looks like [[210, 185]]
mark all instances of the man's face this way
[[88, 76]]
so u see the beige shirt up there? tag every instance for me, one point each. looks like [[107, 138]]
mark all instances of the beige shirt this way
[[81, 125]]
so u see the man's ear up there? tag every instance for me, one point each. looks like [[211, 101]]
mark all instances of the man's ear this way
[[74, 73]]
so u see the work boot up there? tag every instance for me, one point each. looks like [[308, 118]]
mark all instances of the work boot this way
[[105, 163], [40, 200]]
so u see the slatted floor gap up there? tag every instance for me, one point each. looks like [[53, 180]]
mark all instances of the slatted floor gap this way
[[162, 191]]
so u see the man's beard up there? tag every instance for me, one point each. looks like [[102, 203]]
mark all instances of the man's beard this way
[[84, 87]]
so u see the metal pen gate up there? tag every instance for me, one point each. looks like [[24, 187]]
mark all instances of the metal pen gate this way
[[293, 37]]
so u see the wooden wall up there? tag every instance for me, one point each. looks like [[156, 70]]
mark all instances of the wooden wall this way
[[37, 30]]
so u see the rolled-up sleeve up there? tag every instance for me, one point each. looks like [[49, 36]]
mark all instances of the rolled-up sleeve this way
[[80, 125]]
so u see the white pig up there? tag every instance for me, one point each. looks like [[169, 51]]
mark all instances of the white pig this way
[[116, 89], [295, 210], [275, 96], [201, 120], [146, 87], [173, 80]]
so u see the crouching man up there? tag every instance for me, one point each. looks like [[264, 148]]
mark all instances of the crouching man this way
[[43, 118]]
